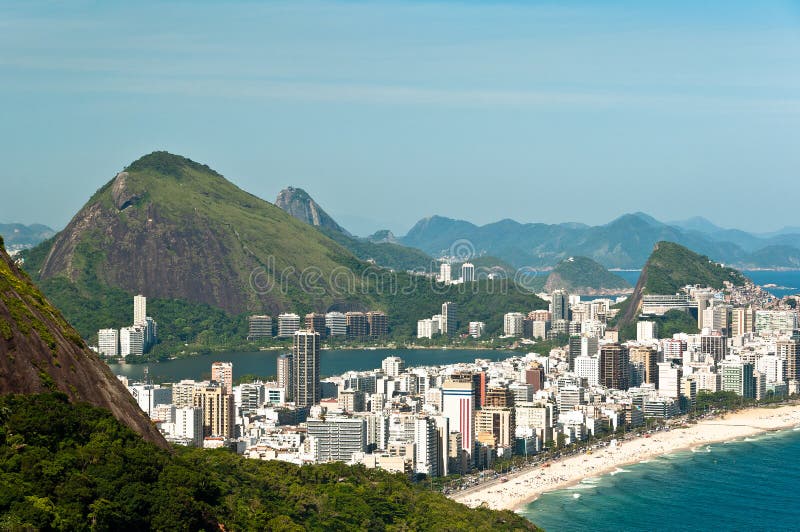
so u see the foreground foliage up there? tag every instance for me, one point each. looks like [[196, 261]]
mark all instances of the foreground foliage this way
[[74, 467]]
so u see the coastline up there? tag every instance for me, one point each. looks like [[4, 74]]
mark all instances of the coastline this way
[[526, 486]]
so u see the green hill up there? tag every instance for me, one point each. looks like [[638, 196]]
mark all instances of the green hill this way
[[206, 254], [585, 276], [74, 467], [671, 267]]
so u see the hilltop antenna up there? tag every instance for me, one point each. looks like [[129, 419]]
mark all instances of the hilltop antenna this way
[[146, 375]]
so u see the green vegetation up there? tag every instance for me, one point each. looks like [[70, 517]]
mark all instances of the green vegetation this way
[[74, 467], [581, 274], [672, 266], [388, 255], [730, 401], [192, 242]]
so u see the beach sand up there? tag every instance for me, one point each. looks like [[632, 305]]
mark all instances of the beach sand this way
[[525, 486]]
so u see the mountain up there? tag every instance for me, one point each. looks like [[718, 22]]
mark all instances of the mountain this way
[[299, 204], [622, 243], [387, 253], [206, 254], [672, 266], [582, 275], [40, 351], [18, 236], [383, 236], [168, 227], [74, 467], [697, 223]]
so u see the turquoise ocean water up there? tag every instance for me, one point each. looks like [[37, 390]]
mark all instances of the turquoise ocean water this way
[[750, 484], [786, 282]]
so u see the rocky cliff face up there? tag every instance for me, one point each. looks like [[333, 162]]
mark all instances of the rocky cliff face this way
[[299, 204], [168, 227], [40, 352]]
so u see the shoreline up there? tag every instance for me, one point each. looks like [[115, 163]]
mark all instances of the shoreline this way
[[526, 486]]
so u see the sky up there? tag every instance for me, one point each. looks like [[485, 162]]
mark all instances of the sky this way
[[388, 112]]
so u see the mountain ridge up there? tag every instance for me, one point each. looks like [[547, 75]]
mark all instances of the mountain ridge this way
[[624, 242]]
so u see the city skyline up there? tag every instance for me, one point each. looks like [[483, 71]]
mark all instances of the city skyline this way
[[618, 100]]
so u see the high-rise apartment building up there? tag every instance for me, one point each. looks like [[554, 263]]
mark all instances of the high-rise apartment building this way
[[559, 305], [288, 324], [131, 341], [646, 331], [467, 272], [189, 425], [337, 439], [614, 366], [108, 342], [218, 410], [316, 322], [737, 377], [357, 325], [644, 365], [513, 324], [260, 326], [336, 323], [449, 318], [458, 405], [393, 366], [588, 367], [222, 372], [427, 447], [669, 379], [305, 362], [743, 321], [378, 324], [285, 375], [789, 352], [139, 309], [497, 421], [445, 275], [714, 344]]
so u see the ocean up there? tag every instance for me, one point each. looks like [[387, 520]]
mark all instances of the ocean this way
[[748, 484], [787, 282]]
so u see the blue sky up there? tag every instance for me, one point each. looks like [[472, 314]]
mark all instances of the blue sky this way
[[386, 112]]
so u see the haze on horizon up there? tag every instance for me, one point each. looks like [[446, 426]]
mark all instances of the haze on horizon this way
[[388, 112]]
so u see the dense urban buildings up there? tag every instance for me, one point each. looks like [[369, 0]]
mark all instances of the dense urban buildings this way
[[436, 420]]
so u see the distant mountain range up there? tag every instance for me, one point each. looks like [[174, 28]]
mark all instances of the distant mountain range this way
[[18, 236], [623, 243]]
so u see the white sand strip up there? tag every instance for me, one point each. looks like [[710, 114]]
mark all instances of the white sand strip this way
[[524, 487]]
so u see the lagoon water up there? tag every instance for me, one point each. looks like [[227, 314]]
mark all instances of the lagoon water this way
[[332, 362], [749, 484]]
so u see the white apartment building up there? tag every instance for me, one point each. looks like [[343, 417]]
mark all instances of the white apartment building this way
[[108, 342]]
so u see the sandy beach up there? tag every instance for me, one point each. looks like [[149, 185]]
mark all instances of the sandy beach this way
[[524, 487]]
